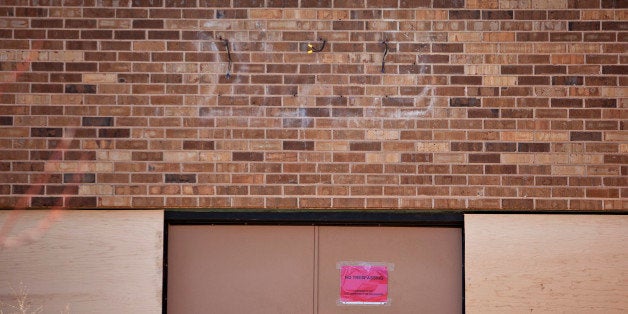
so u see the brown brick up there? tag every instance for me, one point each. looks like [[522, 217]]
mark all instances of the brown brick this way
[[46, 201], [179, 178], [147, 3], [79, 178], [464, 14], [565, 37], [464, 102], [247, 156], [586, 136], [298, 145], [484, 158], [466, 146], [152, 23], [117, 133], [501, 147], [584, 4]]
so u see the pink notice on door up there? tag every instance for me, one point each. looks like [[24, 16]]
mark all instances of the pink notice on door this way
[[364, 284]]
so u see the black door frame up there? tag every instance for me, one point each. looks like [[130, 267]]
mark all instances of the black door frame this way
[[446, 219]]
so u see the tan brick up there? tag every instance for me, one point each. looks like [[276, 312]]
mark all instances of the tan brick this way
[[515, 4], [586, 159], [554, 136], [568, 170], [517, 158], [465, 37], [266, 13], [597, 14], [149, 45], [500, 80], [545, 4], [181, 156], [97, 189], [449, 158], [67, 56], [431, 14], [99, 78], [515, 136], [484, 69], [432, 147], [114, 23], [331, 146], [303, 14], [383, 157], [115, 201], [550, 159], [214, 156], [382, 135]]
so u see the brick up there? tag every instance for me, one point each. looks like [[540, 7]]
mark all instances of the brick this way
[[586, 136]]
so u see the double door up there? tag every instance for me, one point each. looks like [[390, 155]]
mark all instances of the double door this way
[[297, 269]]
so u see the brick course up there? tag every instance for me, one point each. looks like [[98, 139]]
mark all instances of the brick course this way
[[492, 104]]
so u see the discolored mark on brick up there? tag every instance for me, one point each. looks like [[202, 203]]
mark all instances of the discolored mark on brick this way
[[464, 102], [97, 121], [46, 132], [80, 89], [79, 178], [179, 178], [114, 133]]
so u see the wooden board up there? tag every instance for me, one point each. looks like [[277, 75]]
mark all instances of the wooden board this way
[[546, 263], [425, 267], [92, 261], [240, 269]]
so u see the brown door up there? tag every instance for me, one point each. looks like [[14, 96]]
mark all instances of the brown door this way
[[295, 269]]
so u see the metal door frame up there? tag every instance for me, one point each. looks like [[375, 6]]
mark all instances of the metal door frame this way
[[375, 218]]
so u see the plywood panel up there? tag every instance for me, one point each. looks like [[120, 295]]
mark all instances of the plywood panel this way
[[546, 263], [427, 275], [240, 269], [93, 261]]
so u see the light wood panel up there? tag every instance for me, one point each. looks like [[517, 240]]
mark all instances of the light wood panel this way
[[93, 261], [427, 275], [546, 263], [240, 269]]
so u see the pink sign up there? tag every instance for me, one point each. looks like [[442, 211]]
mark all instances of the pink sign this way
[[363, 284]]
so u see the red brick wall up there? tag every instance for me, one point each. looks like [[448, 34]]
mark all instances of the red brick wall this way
[[483, 104]]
